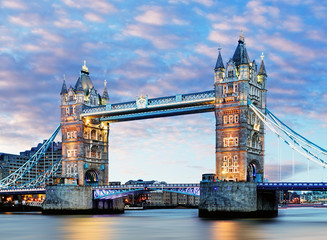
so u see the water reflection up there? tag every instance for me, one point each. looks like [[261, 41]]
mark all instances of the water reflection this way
[[87, 228], [164, 224]]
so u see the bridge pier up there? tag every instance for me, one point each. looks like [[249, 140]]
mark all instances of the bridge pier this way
[[68, 199], [236, 200]]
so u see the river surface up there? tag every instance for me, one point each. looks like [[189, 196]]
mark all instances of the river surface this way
[[292, 223]]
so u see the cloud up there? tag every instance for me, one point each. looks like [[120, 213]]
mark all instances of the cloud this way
[[158, 16], [26, 20], [96, 5], [93, 17], [154, 35], [207, 3], [217, 36], [64, 22], [14, 4], [293, 24], [288, 46]]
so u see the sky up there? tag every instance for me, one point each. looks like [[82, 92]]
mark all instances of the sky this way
[[161, 48]]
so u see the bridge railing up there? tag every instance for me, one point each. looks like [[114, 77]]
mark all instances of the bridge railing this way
[[148, 186]]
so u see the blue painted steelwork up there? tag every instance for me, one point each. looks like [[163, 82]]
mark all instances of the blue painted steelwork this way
[[156, 107], [44, 176], [18, 191], [159, 113], [19, 173], [300, 186], [112, 192]]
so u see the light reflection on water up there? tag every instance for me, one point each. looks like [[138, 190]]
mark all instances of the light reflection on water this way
[[299, 223]]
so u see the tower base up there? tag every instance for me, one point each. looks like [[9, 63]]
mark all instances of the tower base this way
[[67, 199], [236, 200]]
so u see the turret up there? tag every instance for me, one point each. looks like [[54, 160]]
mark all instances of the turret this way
[[262, 74], [241, 59], [63, 92], [219, 68], [105, 96]]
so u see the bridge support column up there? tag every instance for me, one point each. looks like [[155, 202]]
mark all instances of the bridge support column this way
[[67, 199], [236, 200]]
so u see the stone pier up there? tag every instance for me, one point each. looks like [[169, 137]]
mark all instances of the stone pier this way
[[236, 200], [68, 199]]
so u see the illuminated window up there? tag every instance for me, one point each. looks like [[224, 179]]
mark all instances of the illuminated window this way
[[225, 119], [230, 142], [225, 89], [225, 142], [231, 119], [67, 110], [225, 158], [75, 152], [236, 141], [93, 135], [68, 135], [236, 118], [69, 153]]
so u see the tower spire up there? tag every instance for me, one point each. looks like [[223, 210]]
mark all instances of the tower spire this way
[[64, 87], [262, 70], [105, 95], [85, 69], [219, 63]]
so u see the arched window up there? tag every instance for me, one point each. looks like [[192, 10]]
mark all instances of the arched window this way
[[254, 140], [236, 141]]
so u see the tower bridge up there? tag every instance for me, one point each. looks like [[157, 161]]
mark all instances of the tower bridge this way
[[238, 101]]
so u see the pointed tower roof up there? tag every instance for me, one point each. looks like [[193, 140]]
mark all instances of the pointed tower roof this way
[[64, 87], [84, 82], [262, 70], [241, 55], [219, 63], [105, 94]]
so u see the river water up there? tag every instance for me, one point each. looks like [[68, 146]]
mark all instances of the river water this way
[[292, 223]]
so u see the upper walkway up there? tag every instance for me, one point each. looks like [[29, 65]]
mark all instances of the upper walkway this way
[[144, 108]]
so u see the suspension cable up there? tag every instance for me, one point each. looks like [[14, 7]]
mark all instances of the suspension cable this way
[[270, 124]]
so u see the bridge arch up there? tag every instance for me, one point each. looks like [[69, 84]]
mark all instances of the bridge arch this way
[[251, 172], [91, 178]]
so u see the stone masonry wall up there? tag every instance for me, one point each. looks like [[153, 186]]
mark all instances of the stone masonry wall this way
[[228, 197]]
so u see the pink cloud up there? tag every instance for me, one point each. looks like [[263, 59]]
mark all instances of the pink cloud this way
[[93, 17], [14, 4]]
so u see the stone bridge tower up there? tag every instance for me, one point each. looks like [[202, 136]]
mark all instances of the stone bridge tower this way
[[239, 132], [84, 141]]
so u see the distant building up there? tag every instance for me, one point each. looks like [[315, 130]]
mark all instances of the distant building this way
[[159, 198], [141, 182], [9, 163]]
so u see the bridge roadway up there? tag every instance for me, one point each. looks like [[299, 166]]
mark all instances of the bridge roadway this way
[[103, 192]]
